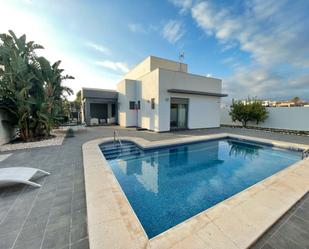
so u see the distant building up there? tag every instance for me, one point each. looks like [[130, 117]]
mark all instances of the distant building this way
[[270, 103], [286, 104], [266, 103]]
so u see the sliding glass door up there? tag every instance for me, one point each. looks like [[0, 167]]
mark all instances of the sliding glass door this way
[[179, 113]]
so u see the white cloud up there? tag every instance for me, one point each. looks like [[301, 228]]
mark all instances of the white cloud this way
[[98, 47], [114, 65], [173, 31], [265, 83], [271, 31], [35, 26], [274, 33], [136, 28], [184, 5]]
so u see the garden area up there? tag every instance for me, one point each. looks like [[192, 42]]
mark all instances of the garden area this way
[[32, 93]]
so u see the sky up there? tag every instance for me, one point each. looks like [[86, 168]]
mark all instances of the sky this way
[[259, 48]]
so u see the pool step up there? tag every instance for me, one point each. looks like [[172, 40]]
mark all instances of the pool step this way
[[112, 151], [115, 146], [122, 151], [123, 156], [115, 149]]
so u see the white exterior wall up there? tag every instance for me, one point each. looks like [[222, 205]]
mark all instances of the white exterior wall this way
[[139, 70], [203, 111], [289, 118], [126, 93], [149, 88], [156, 62], [151, 79], [151, 63]]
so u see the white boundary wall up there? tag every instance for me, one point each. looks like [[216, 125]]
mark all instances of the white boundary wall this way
[[6, 133], [289, 118]]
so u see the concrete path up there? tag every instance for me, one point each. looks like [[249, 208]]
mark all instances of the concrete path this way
[[54, 216]]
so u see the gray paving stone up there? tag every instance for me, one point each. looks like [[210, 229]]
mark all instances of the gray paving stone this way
[[259, 244], [303, 213], [7, 240], [78, 232], [36, 219], [59, 222], [279, 241], [79, 217], [82, 244], [297, 230], [79, 204], [267, 246], [31, 232], [291, 227], [61, 209], [61, 200], [11, 224], [28, 244], [56, 239]]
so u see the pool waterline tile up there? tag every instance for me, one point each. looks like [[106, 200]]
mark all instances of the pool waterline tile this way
[[129, 213]]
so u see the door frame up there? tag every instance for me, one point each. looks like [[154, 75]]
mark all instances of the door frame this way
[[177, 100]]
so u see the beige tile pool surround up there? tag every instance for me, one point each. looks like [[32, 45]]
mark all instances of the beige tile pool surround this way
[[236, 222]]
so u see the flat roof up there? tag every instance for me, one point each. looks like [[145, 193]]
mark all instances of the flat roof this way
[[98, 89], [197, 92], [99, 93]]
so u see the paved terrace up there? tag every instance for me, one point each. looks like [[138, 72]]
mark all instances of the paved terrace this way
[[54, 216]]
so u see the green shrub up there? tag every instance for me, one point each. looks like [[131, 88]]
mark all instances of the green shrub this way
[[250, 111]]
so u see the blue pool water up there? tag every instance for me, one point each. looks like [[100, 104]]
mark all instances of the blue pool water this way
[[166, 186]]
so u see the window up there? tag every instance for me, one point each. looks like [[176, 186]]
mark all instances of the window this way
[[132, 105], [139, 105], [113, 110], [152, 103]]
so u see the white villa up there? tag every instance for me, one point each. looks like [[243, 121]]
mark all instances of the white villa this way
[[157, 95]]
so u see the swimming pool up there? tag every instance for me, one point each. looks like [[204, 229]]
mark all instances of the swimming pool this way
[[166, 186]]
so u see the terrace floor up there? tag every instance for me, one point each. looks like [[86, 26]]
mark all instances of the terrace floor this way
[[54, 216]]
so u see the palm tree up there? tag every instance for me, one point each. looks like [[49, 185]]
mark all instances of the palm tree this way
[[49, 108], [30, 88], [16, 79]]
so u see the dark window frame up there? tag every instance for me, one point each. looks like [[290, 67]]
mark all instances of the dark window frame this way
[[153, 104], [139, 105], [132, 105]]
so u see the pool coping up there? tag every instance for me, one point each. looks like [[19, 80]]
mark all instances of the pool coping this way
[[112, 222]]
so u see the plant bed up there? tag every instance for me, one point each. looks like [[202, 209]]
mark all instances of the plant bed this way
[[282, 131], [36, 139], [54, 139]]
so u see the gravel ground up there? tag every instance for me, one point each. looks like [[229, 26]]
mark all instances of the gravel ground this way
[[58, 140]]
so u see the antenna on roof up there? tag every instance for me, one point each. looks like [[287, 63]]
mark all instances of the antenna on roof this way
[[181, 58]]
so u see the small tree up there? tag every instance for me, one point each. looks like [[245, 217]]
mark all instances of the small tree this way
[[296, 100], [258, 112], [249, 110]]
